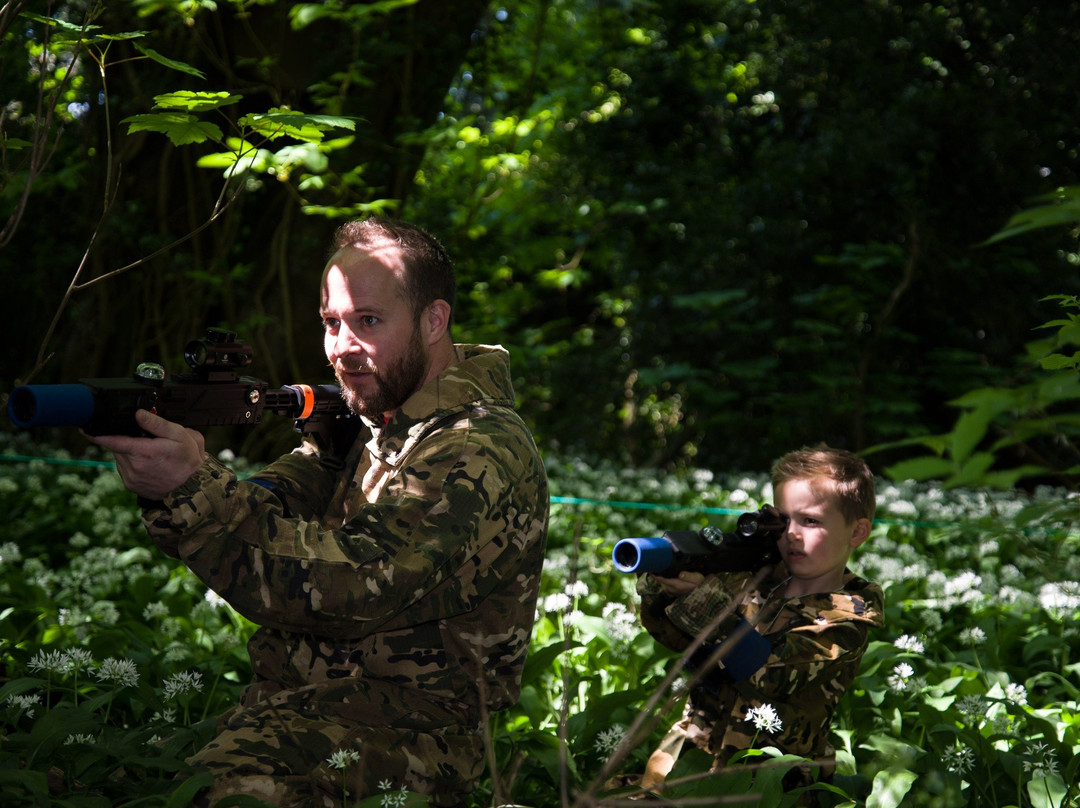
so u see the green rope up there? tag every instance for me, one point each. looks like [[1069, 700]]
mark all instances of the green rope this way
[[555, 500]]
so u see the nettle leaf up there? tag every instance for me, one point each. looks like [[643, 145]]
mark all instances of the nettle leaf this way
[[180, 128], [285, 123], [195, 101], [173, 64]]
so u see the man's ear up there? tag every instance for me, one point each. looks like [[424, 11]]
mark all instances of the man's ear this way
[[435, 321], [860, 533]]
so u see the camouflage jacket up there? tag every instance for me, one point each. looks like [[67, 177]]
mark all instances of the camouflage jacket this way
[[817, 644], [412, 573]]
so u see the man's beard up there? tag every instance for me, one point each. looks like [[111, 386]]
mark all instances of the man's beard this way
[[393, 386]]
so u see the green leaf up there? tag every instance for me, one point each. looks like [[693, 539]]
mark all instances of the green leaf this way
[[181, 129], [195, 101], [1047, 792], [890, 787], [921, 468], [311, 128], [172, 64]]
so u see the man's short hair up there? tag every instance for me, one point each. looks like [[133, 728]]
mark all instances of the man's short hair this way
[[429, 273]]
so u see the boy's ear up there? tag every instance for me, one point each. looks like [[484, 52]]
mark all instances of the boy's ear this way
[[860, 533]]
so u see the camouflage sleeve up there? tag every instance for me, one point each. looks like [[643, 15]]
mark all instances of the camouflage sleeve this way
[[675, 622], [473, 487], [819, 659], [300, 482]]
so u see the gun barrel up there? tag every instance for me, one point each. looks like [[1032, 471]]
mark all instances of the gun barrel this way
[[643, 555], [303, 400], [51, 405]]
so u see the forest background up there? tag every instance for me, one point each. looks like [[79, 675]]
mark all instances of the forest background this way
[[708, 232]]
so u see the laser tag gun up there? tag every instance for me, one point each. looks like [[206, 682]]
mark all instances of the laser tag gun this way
[[213, 394], [751, 546]]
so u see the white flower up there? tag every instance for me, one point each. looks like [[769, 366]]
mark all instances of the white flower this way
[[1060, 598], [620, 622], [973, 708], [898, 681], [155, 609], [25, 703], [1015, 693], [959, 759], [765, 719], [81, 737], [1043, 762], [973, 636], [577, 590], [608, 739], [48, 662], [181, 683], [907, 642], [79, 659], [121, 672], [558, 602], [341, 758]]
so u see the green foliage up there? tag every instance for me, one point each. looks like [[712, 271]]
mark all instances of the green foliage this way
[[1029, 429], [740, 213], [115, 659]]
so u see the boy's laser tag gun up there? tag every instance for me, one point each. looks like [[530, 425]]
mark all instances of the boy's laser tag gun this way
[[212, 395], [751, 546]]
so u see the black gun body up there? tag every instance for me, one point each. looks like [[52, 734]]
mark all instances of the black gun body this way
[[688, 551], [108, 406]]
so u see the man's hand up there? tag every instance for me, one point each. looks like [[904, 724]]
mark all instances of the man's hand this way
[[686, 583], [152, 467]]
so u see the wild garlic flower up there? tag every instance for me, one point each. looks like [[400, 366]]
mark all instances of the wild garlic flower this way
[[608, 740], [577, 590], [154, 610], [79, 659], [1042, 762], [765, 719], [959, 759], [121, 672], [182, 683], [48, 662], [898, 680], [620, 622], [341, 758], [25, 703], [907, 642], [557, 602], [973, 635], [1015, 693]]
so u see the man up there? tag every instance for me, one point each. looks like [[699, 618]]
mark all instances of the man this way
[[396, 596]]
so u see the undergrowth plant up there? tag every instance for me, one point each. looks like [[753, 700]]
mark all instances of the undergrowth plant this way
[[114, 660]]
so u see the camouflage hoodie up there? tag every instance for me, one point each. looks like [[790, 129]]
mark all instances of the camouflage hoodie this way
[[817, 643], [399, 592]]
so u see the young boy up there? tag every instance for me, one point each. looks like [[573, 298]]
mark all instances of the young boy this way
[[810, 618]]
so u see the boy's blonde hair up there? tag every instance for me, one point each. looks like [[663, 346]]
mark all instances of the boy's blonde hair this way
[[849, 478]]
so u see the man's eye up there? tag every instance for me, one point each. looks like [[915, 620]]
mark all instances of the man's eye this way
[[329, 323], [369, 320]]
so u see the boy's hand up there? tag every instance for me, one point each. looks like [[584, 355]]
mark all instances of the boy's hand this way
[[152, 467], [686, 583]]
